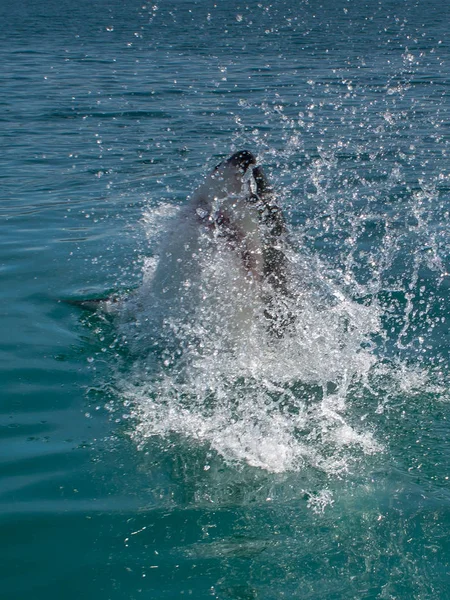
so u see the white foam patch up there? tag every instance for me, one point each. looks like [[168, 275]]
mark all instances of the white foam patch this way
[[156, 219], [318, 502], [225, 382], [222, 381]]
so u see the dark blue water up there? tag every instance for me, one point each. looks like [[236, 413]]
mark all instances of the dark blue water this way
[[318, 470]]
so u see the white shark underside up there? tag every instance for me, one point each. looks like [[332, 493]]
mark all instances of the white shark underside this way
[[224, 254]]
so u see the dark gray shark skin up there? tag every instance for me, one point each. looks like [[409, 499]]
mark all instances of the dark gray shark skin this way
[[272, 219]]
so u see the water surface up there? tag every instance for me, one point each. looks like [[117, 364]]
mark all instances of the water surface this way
[[318, 469]]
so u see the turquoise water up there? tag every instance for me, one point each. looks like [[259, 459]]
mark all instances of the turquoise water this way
[[313, 468]]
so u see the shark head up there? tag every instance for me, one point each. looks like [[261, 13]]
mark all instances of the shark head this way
[[237, 202], [227, 183]]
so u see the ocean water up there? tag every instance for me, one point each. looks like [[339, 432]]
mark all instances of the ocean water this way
[[191, 460]]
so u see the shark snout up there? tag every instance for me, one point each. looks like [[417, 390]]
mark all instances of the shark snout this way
[[242, 159]]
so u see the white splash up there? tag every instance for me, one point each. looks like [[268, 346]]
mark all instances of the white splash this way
[[225, 382]]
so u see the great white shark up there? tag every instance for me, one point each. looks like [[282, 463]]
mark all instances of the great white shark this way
[[234, 214], [234, 209]]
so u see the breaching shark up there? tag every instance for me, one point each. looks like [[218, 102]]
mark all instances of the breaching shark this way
[[236, 207], [234, 212]]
